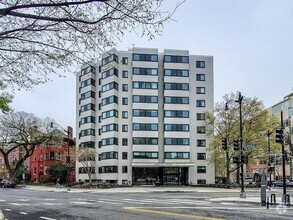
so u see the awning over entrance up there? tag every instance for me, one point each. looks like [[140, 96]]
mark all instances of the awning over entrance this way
[[162, 164]]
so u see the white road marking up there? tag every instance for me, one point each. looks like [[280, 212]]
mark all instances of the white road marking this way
[[192, 207], [17, 204], [49, 199], [24, 213], [2, 200], [24, 200], [49, 203], [119, 201], [82, 203], [48, 218], [115, 203], [8, 210]]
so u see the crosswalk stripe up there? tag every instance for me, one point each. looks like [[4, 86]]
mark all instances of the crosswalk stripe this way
[[108, 202]]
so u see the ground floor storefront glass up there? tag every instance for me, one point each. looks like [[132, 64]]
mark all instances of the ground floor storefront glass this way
[[164, 176]]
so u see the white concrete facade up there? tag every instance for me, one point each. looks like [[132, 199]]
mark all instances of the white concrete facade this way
[[147, 114]]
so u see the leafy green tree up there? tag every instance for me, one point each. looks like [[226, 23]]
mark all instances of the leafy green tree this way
[[57, 170], [5, 99], [225, 123]]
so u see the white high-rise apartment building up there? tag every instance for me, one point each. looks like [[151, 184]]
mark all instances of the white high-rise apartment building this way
[[143, 111]]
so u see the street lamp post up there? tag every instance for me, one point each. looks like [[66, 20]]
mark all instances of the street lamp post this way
[[239, 100], [68, 154]]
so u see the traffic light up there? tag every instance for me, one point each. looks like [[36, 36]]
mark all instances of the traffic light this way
[[67, 159], [236, 160], [286, 156], [272, 158], [244, 159], [279, 135], [271, 169], [224, 144], [236, 144]]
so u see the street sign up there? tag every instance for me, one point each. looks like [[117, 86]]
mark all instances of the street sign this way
[[248, 147]]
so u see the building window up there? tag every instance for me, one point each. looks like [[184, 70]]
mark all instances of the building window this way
[[83, 170], [89, 69], [176, 59], [176, 141], [177, 155], [108, 155], [145, 57], [145, 85], [109, 114], [124, 169], [201, 156], [200, 103], [35, 171], [125, 60], [145, 141], [176, 114], [200, 77], [109, 127], [200, 116], [89, 94], [145, 127], [108, 59], [200, 64], [145, 155], [46, 170], [145, 113], [124, 128], [110, 100], [108, 169], [201, 142], [110, 86], [35, 158], [125, 87], [124, 155], [145, 99], [125, 114], [52, 155], [87, 107], [201, 169], [124, 142], [200, 90], [176, 127], [201, 129], [85, 120], [109, 141], [145, 71], [87, 83], [174, 72], [124, 101], [124, 74], [176, 100], [87, 144], [201, 181], [87, 132], [176, 86], [110, 72]]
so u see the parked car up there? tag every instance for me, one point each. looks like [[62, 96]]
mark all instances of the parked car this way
[[280, 183], [7, 184]]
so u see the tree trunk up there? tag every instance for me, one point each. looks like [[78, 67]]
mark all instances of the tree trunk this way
[[227, 168]]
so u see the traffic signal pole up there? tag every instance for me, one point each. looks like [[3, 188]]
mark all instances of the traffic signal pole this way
[[283, 161]]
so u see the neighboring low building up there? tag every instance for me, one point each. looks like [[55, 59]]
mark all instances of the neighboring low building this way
[[44, 156]]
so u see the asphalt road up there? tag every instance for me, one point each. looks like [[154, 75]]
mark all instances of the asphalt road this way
[[25, 204]]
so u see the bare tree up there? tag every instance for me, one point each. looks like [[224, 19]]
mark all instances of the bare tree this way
[[23, 131], [39, 36], [87, 157]]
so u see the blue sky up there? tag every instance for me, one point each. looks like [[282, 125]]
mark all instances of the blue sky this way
[[251, 42]]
